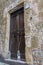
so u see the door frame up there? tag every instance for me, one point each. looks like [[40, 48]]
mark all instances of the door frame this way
[[7, 11]]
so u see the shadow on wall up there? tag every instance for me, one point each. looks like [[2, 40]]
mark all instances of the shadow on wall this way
[[1, 58]]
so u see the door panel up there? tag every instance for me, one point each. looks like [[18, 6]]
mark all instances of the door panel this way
[[17, 35]]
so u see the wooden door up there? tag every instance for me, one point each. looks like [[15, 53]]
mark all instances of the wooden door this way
[[17, 35]]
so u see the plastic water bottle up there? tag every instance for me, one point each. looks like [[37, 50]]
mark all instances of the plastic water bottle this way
[[18, 55]]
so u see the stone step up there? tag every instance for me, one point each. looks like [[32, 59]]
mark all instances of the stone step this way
[[12, 62]]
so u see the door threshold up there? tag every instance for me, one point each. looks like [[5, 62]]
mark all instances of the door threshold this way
[[18, 61]]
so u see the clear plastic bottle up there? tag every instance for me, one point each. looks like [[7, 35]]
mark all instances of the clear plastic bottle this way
[[18, 55]]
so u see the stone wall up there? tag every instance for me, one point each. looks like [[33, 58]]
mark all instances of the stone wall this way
[[33, 20]]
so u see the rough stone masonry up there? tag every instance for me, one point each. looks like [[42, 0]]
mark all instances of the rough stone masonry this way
[[33, 20]]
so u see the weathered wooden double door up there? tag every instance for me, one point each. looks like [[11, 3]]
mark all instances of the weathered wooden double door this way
[[17, 35]]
